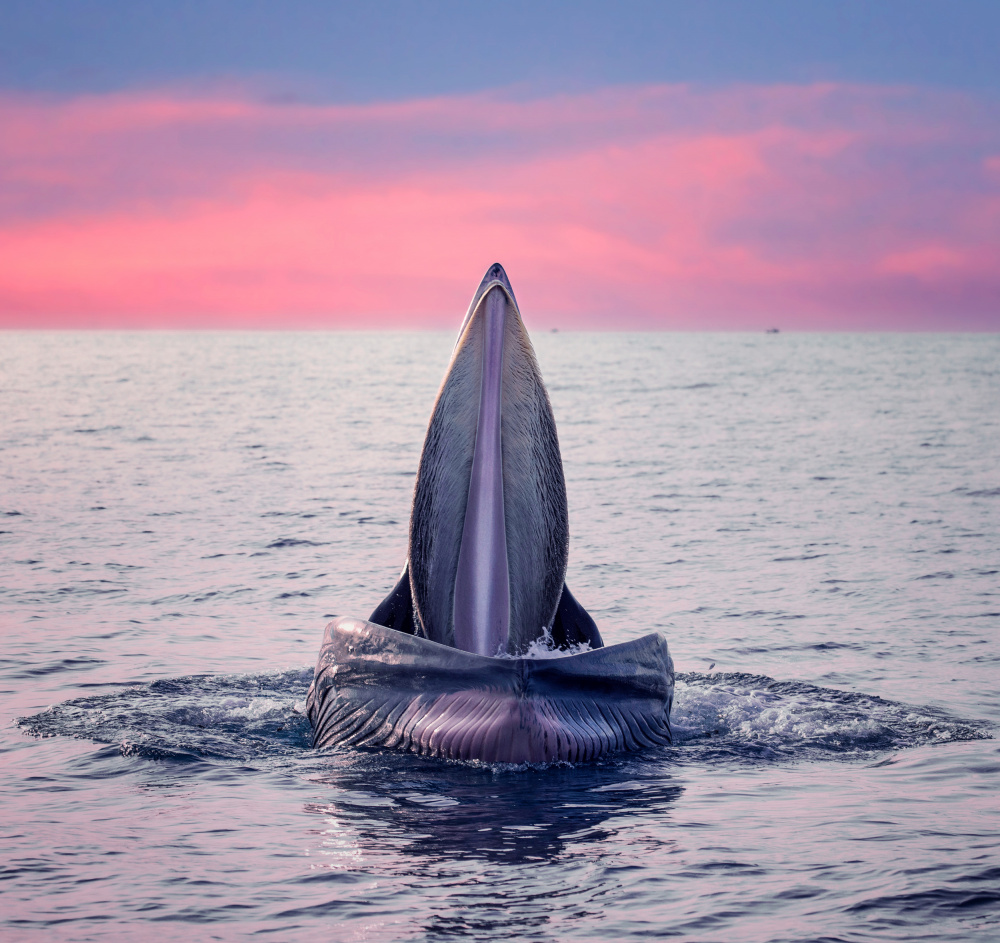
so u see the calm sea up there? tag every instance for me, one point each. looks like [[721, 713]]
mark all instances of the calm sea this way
[[812, 520]]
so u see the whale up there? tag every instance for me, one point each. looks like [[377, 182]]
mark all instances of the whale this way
[[480, 652]]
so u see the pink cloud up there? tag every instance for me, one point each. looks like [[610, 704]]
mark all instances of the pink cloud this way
[[661, 207]]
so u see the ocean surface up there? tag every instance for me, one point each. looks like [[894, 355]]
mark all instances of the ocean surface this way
[[813, 521]]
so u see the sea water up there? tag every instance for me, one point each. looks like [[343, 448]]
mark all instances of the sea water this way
[[813, 521]]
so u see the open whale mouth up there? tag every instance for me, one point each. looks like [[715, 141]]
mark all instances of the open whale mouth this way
[[485, 577]]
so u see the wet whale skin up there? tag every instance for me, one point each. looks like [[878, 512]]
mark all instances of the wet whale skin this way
[[375, 686]]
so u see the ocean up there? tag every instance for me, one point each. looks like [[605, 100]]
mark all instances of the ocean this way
[[812, 520]]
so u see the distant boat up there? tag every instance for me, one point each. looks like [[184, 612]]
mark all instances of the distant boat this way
[[772, 330]]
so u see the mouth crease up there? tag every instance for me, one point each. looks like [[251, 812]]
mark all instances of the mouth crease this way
[[482, 580]]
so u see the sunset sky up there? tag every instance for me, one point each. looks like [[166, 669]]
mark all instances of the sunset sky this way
[[699, 166]]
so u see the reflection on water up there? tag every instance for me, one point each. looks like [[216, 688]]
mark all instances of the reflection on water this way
[[435, 810], [514, 853]]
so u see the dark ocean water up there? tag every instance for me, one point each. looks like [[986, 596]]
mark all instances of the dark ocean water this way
[[813, 521]]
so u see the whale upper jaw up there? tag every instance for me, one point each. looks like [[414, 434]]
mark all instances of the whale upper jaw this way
[[495, 277], [489, 529]]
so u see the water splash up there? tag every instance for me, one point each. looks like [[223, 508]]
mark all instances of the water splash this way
[[545, 647], [238, 718], [753, 715]]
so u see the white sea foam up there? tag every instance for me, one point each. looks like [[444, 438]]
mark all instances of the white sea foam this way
[[545, 647], [749, 712]]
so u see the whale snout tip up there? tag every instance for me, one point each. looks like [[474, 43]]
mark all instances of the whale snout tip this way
[[495, 277], [496, 273]]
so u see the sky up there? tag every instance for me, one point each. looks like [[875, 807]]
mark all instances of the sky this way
[[708, 165]]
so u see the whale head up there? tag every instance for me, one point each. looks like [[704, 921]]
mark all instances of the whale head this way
[[485, 577]]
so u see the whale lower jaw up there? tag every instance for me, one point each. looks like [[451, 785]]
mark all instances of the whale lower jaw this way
[[378, 687]]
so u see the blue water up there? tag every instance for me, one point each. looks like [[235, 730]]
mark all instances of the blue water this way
[[813, 521]]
